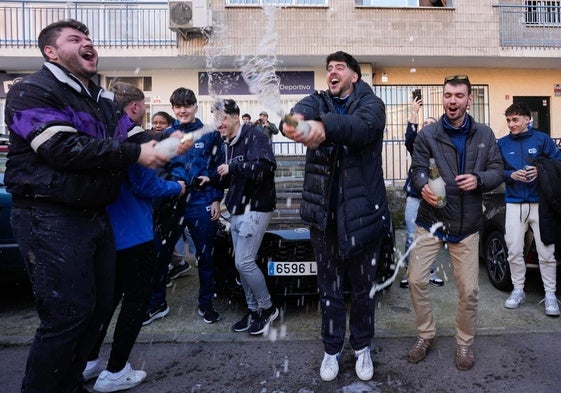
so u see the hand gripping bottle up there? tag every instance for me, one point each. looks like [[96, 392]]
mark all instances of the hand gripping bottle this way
[[436, 184], [300, 125]]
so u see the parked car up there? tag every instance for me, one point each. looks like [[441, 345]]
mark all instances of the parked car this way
[[11, 261], [285, 257], [493, 249]]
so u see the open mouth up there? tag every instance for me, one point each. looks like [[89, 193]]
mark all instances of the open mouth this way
[[333, 81], [88, 55], [452, 110]]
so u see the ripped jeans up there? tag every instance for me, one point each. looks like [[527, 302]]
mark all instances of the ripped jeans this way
[[247, 232]]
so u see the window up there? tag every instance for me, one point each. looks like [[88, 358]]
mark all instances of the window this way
[[397, 99], [543, 13], [388, 3], [402, 3], [319, 3]]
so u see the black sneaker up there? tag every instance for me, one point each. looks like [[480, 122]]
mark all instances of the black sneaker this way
[[243, 324], [404, 283], [209, 315], [263, 320], [179, 271], [156, 313]]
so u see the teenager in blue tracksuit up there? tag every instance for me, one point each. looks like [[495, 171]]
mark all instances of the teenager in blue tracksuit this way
[[199, 210], [131, 220], [520, 149]]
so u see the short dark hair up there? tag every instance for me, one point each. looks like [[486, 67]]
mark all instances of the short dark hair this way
[[49, 34], [230, 107], [226, 106], [456, 80], [247, 115], [125, 93], [348, 59], [183, 96], [518, 108], [165, 115]]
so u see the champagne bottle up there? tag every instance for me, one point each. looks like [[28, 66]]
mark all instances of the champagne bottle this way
[[169, 145], [300, 125], [436, 184]]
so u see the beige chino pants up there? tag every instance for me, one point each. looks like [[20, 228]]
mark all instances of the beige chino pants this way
[[465, 262]]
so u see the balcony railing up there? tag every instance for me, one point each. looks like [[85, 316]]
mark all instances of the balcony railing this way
[[537, 24], [111, 24], [122, 24]]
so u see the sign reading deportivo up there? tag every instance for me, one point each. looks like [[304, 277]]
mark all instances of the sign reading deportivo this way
[[232, 83]]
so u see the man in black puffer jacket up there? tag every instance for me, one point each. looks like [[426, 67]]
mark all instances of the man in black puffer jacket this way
[[344, 202]]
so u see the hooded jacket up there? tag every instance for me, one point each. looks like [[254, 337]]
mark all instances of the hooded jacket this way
[[251, 177], [550, 206], [131, 214], [462, 215], [353, 151]]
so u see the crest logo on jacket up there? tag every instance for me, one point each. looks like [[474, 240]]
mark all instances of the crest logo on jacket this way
[[532, 150], [237, 158]]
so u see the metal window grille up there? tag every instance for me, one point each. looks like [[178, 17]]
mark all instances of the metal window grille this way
[[543, 13], [397, 99]]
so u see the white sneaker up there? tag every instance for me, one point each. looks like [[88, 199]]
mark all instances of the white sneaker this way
[[516, 298], [551, 306], [363, 366], [127, 378], [329, 367], [435, 280], [93, 369]]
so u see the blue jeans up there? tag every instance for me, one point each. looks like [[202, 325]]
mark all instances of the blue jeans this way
[[361, 275], [247, 232], [70, 260], [203, 231], [411, 208], [180, 248]]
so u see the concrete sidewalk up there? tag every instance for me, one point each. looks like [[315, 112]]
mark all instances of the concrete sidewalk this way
[[300, 318]]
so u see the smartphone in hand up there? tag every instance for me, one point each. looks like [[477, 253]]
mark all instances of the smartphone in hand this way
[[417, 95], [196, 184]]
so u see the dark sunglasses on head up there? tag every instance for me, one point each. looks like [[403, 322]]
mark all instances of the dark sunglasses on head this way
[[456, 77]]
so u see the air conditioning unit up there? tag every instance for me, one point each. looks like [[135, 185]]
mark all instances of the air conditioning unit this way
[[186, 16]]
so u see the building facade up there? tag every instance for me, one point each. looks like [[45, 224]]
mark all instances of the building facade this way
[[510, 49]]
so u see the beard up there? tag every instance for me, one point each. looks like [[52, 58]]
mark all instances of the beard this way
[[78, 66]]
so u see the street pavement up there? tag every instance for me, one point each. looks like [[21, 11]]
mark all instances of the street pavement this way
[[516, 350]]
